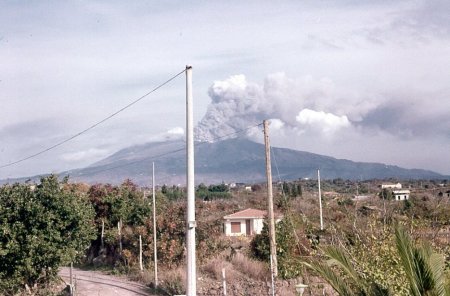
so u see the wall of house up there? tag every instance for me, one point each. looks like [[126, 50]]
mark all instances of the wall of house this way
[[402, 196], [257, 225], [228, 227]]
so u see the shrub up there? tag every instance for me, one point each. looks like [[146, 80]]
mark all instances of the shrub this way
[[40, 229], [251, 268], [287, 252], [173, 282]]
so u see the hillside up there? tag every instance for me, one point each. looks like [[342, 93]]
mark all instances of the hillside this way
[[234, 160]]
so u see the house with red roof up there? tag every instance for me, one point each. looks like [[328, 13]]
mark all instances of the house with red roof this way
[[244, 223]]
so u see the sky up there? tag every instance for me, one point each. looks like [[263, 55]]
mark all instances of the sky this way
[[360, 80]]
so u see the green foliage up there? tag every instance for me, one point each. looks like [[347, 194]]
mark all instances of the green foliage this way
[[40, 230], [173, 193], [386, 194], [422, 267], [218, 188], [125, 203], [287, 253], [376, 256], [212, 192], [114, 204], [292, 189], [349, 282]]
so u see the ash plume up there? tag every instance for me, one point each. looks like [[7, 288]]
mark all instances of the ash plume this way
[[237, 104]]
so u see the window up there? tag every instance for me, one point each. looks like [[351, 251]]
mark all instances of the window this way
[[235, 227]]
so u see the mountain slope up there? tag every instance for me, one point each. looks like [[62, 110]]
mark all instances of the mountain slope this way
[[235, 160]]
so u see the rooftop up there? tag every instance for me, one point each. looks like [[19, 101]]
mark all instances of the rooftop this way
[[247, 213]]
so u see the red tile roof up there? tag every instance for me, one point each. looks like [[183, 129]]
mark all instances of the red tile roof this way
[[248, 213]]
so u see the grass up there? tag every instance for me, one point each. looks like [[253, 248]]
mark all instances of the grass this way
[[250, 268]]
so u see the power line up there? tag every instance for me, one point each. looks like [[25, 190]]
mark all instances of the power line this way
[[289, 210], [175, 151], [92, 126]]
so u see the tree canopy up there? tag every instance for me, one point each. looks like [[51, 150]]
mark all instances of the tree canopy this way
[[41, 228]]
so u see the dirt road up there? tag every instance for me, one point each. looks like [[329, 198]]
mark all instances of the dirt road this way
[[93, 283]]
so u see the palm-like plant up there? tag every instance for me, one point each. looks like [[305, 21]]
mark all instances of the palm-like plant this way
[[350, 282], [423, 267], [424, 270]]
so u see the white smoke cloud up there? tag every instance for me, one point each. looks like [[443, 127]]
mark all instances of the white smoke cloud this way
[[176, 131], [276, 124], [328, 123], [88, 154]]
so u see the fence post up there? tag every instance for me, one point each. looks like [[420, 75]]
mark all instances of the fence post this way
[[119, 226], [103, 233], [140, 253], [224, 282]]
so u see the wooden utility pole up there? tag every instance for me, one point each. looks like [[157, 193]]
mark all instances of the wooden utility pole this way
[[191, 286], [155, 254], [320, 201], [273, 243]]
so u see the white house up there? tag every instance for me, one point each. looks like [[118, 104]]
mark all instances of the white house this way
[[400, 194], [392, 186], [246, 222]]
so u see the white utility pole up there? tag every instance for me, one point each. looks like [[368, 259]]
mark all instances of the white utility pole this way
[[224, 282], [273, 243], [141, 266], [191, 286], [320, 201], [102, 236], [119, 228], [154, 225]]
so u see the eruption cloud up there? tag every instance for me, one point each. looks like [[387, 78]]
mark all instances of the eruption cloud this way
[[295, 105]]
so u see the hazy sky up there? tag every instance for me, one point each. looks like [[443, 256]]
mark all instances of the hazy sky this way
[[362, 80]]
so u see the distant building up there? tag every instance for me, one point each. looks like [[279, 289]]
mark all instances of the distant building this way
[[391, 186], [400, 194]]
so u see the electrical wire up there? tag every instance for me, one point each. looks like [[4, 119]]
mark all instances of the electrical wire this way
[[94, 125], [174, 151], [297, 239]]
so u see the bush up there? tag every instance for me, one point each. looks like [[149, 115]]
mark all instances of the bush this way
[[40, 230], [287, 253], [173, 282]]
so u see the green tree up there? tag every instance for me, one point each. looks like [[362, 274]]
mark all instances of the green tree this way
[[287, 249], [386, 194], [41, 229]]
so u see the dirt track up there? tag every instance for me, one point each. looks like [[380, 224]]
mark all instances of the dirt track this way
[[92, 283]]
